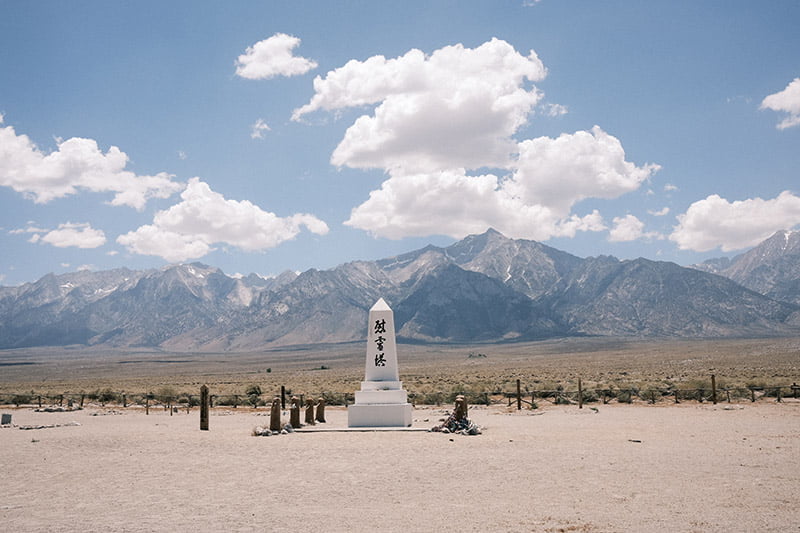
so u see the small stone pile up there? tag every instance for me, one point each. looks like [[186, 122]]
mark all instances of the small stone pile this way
[[458, 422], [57, 409], [260, 431]]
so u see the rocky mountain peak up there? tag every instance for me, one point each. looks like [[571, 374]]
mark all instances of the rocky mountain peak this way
[[771, 268]]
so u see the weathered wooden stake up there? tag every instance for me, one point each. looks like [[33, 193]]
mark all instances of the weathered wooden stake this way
[[82, 397], [283, 397], [60, 400], [752, 395], [519, 397], [275, 415], [294, 412], [147, 403], [461, 408], [714, 389], [320, 416], [676, 396], [204, 408], [40, 401], [124, 400], [310, 412], [580, 394], [169, 406]]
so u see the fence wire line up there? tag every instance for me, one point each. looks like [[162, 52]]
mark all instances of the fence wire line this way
[[496, 397]]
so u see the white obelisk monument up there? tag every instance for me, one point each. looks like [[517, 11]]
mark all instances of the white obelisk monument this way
[[381, 402]]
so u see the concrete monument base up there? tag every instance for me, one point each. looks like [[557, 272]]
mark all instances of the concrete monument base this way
[[379, 415]]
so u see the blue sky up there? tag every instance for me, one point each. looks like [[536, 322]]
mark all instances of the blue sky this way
[[265, 136]]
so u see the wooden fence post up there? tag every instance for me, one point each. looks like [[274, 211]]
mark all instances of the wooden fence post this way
[[714, 389], [519, 397], [580, 394], [752, 394], [204, 405], [124, 400], [40, 401]]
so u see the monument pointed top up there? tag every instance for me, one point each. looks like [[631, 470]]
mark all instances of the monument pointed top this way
[[380, 305]]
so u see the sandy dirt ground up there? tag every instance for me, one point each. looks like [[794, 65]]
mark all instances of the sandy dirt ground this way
[[692, 467]]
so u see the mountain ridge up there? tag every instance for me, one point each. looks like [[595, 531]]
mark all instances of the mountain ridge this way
[[484, 288]]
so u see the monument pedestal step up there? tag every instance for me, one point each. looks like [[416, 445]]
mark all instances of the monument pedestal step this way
[[379, 415], [381, 397], [381, 385]]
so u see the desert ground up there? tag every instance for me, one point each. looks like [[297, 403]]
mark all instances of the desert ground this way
[[691, 467], [672, 467], [429, 372]]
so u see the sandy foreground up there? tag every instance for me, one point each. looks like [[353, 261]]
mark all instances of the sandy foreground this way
[[692, 467]]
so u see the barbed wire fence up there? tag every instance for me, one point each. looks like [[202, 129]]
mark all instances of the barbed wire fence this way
[[529, 397]]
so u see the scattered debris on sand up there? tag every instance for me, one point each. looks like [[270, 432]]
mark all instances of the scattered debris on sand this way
[[458, 422]]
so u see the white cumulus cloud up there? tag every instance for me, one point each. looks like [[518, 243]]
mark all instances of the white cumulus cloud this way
[[455, 204], [562, 171], [69, 234], [786, 101], [273, 57], [534, 202], [456, 108], [435, 121], [76, 164], [716, 222], [630, 228], [203, 218]]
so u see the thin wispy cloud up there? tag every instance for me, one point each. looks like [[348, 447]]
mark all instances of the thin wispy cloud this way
[[258, 128]]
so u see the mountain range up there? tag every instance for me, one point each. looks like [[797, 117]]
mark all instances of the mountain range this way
[[484, 288]]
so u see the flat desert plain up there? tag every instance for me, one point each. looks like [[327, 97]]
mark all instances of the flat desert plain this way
[[615, 467]]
